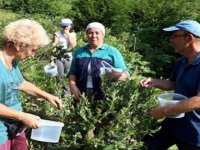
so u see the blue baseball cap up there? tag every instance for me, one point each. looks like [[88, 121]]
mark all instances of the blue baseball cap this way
[[65, 22], [186, 25]]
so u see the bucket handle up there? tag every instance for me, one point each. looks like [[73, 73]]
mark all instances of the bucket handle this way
[[104, 62]]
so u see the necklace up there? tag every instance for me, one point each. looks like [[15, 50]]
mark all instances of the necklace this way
[[14, 83], [8, 65]]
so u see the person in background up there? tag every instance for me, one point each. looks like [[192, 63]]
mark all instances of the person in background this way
[[185, 80], [84, 74], [64, 40], [21, 39]]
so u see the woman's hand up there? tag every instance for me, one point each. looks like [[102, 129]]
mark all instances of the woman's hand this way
[[115, 75], [119, 76], [30, 120], [30, 88], [54, 100], [75, 91], [66, 33]]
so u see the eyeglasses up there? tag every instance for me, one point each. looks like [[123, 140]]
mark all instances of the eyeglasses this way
[[33, 50], [65, 26], [175, 36]]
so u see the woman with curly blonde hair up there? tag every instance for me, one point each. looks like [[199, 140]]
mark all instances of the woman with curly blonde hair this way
[[21, 39]]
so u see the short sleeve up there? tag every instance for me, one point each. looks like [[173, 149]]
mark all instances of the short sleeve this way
[[118, 60], [73, 67]]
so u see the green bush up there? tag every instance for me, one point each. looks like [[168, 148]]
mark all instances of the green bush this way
[[110, 13]]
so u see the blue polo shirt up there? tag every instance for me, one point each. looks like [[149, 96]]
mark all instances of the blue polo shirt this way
[[187, 82], [82, 57]]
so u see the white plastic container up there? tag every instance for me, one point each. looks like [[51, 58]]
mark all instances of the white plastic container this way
[[108, 68], [48, 132], [51, 70], [171, 98]]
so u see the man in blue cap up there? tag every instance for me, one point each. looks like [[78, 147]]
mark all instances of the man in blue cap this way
[[185, 80]]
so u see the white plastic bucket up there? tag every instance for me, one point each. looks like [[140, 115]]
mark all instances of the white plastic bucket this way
[[171, 98], [48, 132], [51, 70]]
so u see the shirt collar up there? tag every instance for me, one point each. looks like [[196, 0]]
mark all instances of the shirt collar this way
[[195, 61], [87, 47]]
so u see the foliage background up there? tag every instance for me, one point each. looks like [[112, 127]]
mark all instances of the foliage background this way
[[135, 28]]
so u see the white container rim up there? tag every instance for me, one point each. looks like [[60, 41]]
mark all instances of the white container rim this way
[[44, 122], [171, 93], [51, 69]]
